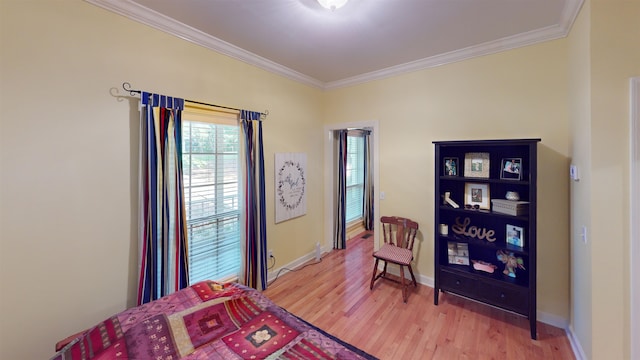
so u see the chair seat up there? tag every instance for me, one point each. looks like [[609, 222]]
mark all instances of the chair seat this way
[[394, 254]]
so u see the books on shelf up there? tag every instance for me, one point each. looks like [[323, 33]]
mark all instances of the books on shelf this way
[[510, 207]]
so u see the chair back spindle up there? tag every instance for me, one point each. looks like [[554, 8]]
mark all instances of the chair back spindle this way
[[399, 231]]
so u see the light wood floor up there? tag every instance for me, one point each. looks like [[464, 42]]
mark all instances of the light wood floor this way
[[334, 295]]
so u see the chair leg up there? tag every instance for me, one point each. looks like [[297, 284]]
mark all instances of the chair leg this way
[[373, 278], [404, 287], [415, 283]]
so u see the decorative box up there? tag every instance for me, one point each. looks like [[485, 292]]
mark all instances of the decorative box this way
[[510, 207]]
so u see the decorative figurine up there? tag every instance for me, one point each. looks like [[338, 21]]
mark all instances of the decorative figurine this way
[[511, 262]]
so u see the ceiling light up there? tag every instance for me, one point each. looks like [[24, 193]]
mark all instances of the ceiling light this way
[[332, 4]]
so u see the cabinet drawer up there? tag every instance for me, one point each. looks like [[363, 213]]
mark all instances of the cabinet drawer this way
[[457, 283], [507, 297]]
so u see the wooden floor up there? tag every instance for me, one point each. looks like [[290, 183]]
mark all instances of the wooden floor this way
[[334, 295]]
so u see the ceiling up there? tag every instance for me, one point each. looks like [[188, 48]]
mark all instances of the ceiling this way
[[363, 41]]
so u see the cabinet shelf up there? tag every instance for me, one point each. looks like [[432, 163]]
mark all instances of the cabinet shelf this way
[[482, 212], [518, 293], [496, 245], [483, 180]]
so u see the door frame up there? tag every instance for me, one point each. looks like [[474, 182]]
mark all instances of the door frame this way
[[634, 214], [329, 175]]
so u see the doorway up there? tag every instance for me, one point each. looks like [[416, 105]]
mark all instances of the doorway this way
[[330, 190]]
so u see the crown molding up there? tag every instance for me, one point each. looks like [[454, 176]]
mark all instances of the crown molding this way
[[491, 47], [144, 15], [569, 14], [156, 20], [553, 32]]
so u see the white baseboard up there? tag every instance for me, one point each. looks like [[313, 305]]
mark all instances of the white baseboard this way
[[575, 344], [553, 320], [272, 274]]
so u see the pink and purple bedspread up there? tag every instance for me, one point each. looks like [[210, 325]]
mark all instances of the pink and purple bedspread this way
[[205, 322]]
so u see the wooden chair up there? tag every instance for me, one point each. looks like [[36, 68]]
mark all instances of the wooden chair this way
[[399, 235]]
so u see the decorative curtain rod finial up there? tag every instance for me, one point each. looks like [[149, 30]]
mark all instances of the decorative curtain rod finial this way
[[127, 87]]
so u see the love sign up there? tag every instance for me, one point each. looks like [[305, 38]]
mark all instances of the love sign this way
[[463, 228]]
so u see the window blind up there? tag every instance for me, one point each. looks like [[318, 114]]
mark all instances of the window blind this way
[[211, 188], [355, 177]]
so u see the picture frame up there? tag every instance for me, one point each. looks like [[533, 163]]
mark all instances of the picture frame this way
[[450, 166], [290, 185], [511, 169], [515, 235], [458, 253], [477, 196], [477, 165]]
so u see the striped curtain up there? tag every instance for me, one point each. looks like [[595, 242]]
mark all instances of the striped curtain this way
[[340, 223], [162, 223], [368, 183], [255, 236]]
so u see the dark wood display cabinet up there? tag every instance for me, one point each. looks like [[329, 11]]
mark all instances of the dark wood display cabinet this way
[[485, 223]]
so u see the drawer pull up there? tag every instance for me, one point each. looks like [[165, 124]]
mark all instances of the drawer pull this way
[[457, 282], [502, 296]]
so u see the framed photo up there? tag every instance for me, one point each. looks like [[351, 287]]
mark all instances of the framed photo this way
[[477, 196], [476, 165], [515, 235], [450, 166], [511, 169], [458, 253]]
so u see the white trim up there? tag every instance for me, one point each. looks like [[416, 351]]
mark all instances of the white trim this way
[[295, 264], [634, 214], [329, 174], [156, 20], [569, 14], [578, 352], [552, 319], [487, 48], [144, 15]]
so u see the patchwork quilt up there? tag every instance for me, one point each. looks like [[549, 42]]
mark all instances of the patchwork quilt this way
[[207, 321]]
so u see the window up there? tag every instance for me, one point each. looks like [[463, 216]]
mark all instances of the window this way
[[355, 176], [211, 167]]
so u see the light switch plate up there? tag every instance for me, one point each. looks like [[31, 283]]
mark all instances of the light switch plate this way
[[573, 173]]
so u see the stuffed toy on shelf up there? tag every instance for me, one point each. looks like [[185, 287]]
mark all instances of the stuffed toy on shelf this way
[[511, 262]]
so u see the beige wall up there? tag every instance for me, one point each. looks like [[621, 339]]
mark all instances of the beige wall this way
[[516, 94], [604, 55], [580, 113], [615, 57], [68, 145]]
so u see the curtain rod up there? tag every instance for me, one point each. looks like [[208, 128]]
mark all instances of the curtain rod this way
[[127, 87]]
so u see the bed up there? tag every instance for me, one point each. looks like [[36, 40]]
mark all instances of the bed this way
[[207, 320]]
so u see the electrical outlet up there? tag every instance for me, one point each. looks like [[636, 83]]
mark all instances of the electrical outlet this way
[[270, 253]]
